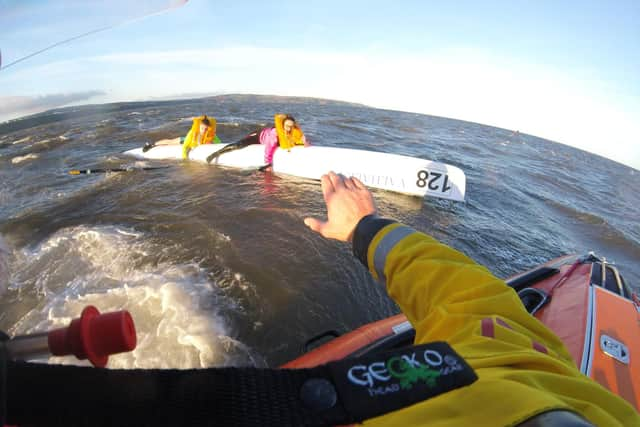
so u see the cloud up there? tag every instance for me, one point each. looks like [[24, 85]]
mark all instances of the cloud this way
[[571, 106], [14, 106]]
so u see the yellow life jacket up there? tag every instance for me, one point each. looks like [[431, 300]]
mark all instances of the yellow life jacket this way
[[296, 137], [192, 140], [195, 131]]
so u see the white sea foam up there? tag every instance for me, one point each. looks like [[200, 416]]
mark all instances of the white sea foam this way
[[20, 159], [19, 141], [175, 307]]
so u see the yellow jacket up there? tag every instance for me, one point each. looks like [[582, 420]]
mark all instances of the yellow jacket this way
[[296, 137], [193, 138], [448, 297]]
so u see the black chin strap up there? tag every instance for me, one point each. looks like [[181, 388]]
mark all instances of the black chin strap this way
[[76, 396], [342, 392]]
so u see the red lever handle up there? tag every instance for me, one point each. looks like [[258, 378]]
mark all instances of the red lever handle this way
[[95, 336]]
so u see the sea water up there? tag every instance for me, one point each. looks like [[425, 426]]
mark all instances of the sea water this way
[[216, 265]]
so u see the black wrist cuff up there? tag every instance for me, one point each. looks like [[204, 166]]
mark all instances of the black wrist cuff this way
[[366, 229]]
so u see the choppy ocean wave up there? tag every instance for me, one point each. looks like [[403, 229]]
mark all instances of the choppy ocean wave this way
[[178, 309], [216, 264]]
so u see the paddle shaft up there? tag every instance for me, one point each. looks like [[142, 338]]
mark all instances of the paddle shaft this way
[[91, 171]]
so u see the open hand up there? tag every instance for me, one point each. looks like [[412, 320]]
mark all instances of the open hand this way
[[348, 201]]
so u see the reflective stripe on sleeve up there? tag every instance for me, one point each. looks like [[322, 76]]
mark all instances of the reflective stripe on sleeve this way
[[385, 246]]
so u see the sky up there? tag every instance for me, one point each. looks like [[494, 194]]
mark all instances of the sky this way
[[565, 71]]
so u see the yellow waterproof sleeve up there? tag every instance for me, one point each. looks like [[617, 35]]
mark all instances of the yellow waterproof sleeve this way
[[523, 368], [188, 144]]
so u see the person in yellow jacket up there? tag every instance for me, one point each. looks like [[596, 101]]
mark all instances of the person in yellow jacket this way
[[284, 134], [203, 131], [526, 376]]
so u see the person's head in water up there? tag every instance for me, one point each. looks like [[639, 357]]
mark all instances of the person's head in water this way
[[288, 123], [204, 125]]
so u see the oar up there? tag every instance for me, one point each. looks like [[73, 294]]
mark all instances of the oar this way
[[90, 171]]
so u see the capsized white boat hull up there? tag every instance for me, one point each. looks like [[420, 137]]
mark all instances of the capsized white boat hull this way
[[393, 172]]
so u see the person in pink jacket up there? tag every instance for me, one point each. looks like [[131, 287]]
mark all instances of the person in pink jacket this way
[[285, 134]]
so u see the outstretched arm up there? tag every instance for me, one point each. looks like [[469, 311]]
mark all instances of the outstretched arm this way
[[448, 297], [187, 145], [436, 286]]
